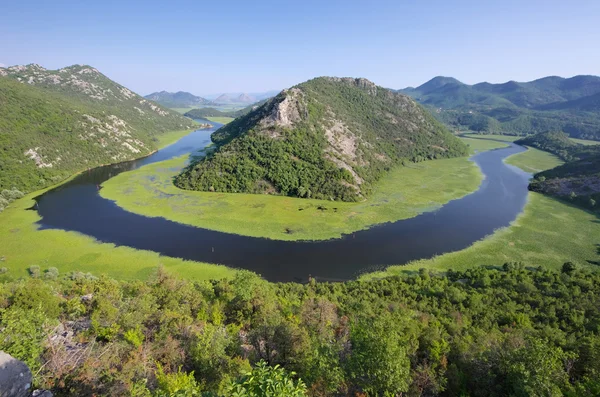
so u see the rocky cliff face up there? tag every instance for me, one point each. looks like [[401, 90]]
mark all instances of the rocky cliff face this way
[[328, 138]]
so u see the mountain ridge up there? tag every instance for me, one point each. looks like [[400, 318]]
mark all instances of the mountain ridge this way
[[547, 103], [55, 123]]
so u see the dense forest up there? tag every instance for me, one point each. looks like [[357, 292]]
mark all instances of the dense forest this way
[[327, 138], [56, 123], [482, 332], [550, 103]]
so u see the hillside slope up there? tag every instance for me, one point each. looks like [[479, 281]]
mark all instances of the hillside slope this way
[[549, 103], [180, 99], [326, 138], [56, 123]]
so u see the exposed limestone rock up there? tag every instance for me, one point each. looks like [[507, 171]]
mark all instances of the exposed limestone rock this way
[[287, 112], [15, 377]]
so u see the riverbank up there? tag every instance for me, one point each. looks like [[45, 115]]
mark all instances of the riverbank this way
[[23, 244], [548, 233], [403, 193]]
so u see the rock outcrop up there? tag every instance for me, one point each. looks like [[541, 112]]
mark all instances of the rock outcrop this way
[[15, 377]]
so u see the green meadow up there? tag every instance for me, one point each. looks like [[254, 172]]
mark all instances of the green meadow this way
[[222, 120], [585, 141], [534, 160], [403, 193]]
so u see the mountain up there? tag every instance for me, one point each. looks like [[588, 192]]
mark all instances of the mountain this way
[[54, 123], [245, 98], [222, 99], [329, 138], [549, 103], [178, 99], [212, 112]]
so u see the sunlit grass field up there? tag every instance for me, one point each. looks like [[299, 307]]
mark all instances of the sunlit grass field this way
[[534, 160], [403, 193], [222, 120], [585, 141]]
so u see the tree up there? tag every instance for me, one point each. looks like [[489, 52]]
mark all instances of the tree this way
[[378, 362], [266, 381]]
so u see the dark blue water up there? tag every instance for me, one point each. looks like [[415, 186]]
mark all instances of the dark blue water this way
[[77, 206]]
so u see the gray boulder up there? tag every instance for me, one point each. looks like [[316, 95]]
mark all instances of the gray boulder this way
[[15, 377]]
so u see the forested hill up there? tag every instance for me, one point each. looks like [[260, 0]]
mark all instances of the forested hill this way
[[550, 103], [578, 180], [212, 112], [54, 123], [180, 99], [326, 138]]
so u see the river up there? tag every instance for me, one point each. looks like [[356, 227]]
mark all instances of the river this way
[[77, 206]]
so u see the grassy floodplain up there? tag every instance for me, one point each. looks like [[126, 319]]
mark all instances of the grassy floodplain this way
[[222, 120], [534, 160], [403, 193], [585, 141], [548, 233], [22, 244]]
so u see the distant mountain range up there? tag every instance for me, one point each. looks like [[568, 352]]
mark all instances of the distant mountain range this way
[[180, 99], [54, 123], [550, 103]]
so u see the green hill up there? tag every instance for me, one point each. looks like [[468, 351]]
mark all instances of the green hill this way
[[549, 103], [578, 180], [54, 123], [326, 138], [212, 112], [180, 99]]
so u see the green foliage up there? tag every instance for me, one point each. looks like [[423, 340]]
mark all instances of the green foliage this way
[[481, 332], [72, 119], [256, 155], [266, 381], [378, 361], [22, 332], [176, 384]]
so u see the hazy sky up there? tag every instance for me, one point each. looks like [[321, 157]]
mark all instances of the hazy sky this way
[[221, 46]]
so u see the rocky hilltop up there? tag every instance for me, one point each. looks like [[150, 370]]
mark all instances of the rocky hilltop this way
[[57, 122], [328, 138]]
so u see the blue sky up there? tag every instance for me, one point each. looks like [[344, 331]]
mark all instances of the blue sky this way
[[222, 46]]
